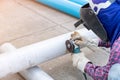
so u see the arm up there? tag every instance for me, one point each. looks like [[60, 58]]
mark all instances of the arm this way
[[97, 72], [101, 72], [97, 42]]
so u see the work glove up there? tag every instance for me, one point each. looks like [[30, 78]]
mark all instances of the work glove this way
[[92, 42], [82, 41], [78, 39], [78, 57], [79, 60]]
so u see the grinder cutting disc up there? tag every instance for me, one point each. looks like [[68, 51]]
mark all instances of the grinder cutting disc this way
[[69, 45]]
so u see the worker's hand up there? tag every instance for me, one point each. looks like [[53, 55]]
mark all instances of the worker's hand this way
[[78, 39], [73, 45], [79, 61], [81, 42]]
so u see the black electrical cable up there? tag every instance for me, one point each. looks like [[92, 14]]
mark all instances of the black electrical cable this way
[[85, 76]]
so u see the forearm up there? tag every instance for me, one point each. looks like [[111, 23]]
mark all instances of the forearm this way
[[101, 72], [97, 72]]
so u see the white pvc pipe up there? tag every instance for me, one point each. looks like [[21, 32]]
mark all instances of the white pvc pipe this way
[[33, 73], [34, 54]]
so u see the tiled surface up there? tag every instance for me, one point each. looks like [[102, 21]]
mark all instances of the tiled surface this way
[[23, 22]]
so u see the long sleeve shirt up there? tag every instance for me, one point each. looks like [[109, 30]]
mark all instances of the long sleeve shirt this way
[[101, 72]]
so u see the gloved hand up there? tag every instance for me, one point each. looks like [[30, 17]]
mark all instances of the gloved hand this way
[[78, 39], [95, 42], [79, 60], [84, 42], [78, 57]]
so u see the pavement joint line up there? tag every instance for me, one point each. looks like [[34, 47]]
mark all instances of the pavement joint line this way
[[43, 15], [35, 12], [41, 31]]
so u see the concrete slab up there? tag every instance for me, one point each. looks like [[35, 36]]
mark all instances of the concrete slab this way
[[39, 36], [17, 21], [49, 13], [24, 22], [13, 77], [61, 69], [70, 25]]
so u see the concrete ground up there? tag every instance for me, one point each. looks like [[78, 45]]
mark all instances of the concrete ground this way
[[23, 22]]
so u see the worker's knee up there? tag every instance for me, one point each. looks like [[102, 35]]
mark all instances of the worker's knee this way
[[114, 73]]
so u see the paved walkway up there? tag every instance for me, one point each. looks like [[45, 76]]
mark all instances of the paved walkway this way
[[23, 22]]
